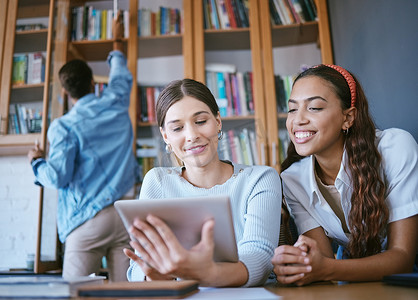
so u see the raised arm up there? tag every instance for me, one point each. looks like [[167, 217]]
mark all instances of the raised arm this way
[[118, 30]]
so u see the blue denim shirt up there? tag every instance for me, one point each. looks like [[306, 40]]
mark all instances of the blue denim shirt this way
[[91, 161]]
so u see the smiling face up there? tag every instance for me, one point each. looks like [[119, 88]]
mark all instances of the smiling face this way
[[192, 131], [316, 119]]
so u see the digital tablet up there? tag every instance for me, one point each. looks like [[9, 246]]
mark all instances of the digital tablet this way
[[185, 217]]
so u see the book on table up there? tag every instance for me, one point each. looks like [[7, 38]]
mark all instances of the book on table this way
[[43, 286], [143, 289]]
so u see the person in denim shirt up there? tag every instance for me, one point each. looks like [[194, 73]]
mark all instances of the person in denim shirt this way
[[92, 165]]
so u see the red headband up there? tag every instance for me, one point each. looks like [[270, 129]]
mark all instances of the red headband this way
[[350, 81]]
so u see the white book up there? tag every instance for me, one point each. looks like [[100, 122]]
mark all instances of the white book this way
[[244, 135], [29, 77], [79, 27], [44, 286], [242, 94], [219, 67], [109, 34], [36, 68], [238, 149], [253, 144], [126, 23]]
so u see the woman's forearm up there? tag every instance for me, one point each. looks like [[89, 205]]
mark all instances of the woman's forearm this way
[[369, 268], [225, 274]]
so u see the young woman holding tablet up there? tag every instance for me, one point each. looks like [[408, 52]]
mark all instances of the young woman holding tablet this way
[[347, 182], [191, 126]]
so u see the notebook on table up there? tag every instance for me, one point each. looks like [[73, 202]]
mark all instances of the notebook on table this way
[[143, 289]]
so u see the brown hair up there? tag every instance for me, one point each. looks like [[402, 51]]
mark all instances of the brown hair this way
[[369, 213], [177, 90]]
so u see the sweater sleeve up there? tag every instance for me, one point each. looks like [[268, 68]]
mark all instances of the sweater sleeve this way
[[262, 227]]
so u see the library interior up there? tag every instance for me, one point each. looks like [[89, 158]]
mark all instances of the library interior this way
[[247, 52]]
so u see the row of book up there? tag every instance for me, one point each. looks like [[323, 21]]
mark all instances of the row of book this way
[[285, 12], [27, 27], [28, 68], [89, 23], [233, 92], [165, 21], [147, 98], [239, 146], [23, 120], [283, 85], [225, 14]]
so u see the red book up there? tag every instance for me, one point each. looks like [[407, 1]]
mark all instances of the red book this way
[[230, 11], [150, 104]]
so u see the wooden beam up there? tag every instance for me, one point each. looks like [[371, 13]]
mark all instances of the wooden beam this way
[[324, 32], [132, 66], [258, 88], [269, 87], [199, 44], [6, 74], [188, 49]]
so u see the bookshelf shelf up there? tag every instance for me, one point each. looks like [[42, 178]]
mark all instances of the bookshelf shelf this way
[[32, 32], [20, 139], [96, 50], [227, 39], [294, 34], [28, 86], [163, 45]]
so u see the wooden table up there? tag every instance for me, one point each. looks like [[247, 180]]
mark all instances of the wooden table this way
[[349, 291]]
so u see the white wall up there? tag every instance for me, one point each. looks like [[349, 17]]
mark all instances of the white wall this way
[[19, 200]]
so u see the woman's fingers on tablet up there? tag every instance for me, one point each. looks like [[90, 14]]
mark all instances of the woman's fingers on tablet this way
[[165, 233], [207, 233]]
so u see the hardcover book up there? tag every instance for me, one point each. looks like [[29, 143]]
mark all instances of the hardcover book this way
[[44, 286]]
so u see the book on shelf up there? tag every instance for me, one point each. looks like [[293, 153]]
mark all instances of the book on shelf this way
[[147, 97], [147, 152], [90, 23], [239, 146], [165, 21], [285, 12], [284, 141], [232, 90], [28, 68], [25, 119], [19, 69], [225, 14], [283, 85], [43, 286], [27, 27]]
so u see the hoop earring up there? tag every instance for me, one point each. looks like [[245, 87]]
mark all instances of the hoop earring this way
[[220, 135], [168, 149], [346, 131]]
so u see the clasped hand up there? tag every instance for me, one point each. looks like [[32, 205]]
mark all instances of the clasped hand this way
[[299, 264], [162, 257]]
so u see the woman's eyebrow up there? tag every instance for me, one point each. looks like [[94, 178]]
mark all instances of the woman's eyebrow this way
[[308, 99]]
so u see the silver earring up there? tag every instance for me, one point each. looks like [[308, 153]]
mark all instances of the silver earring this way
[[220, 135], [346, 131], [168, 149]]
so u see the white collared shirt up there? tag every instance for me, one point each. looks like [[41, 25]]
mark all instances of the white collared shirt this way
[[399, 169]]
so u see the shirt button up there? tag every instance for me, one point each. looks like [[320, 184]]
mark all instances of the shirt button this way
[[168, 171]]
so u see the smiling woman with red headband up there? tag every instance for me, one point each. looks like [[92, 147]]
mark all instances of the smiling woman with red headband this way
[[345, 181]]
